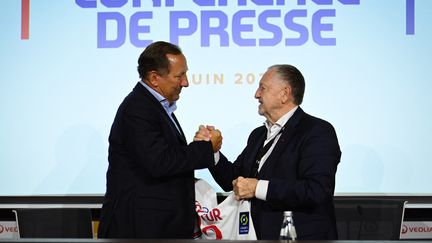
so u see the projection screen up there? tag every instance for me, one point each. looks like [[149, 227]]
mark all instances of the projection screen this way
[[67, 65]]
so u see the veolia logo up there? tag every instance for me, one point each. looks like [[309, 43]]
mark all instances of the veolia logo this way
[[404, 229], [416, 229], [8, 229]]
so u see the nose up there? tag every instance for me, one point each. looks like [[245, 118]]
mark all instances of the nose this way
[[257, 94], [184, 82]]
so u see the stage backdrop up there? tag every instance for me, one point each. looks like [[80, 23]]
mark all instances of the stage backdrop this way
[[65, 66]]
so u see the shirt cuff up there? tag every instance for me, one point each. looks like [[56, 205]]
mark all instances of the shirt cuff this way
[[216, 157], [261, 189]]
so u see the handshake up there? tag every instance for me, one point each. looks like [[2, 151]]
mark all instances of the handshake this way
[[209, 133], [244, 188]]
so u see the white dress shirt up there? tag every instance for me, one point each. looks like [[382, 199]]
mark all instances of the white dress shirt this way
[[272, 131]]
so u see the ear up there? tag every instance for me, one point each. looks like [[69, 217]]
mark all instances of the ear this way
[[286, 94], [153, 78]]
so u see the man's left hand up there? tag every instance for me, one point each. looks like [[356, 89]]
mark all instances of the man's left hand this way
[[244, 188]]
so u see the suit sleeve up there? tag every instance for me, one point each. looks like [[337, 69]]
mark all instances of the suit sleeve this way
[[313, 183], [155, 148], [225, 171]]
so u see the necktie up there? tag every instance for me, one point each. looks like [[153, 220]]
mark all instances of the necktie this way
[[261, 153]]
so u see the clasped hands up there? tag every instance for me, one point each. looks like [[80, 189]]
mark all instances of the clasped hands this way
[[209, 133], [244, 188]]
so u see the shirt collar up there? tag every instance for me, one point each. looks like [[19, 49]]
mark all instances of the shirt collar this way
[[164, 102], [281, 122]]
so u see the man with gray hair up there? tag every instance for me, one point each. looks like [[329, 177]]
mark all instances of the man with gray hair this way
[[289, 163]]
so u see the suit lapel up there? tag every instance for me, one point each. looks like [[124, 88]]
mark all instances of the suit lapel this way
[[255, 147], [180, 135], [283, 141]]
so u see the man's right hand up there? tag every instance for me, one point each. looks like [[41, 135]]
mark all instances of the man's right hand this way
[[209, 133], [202, 134], [215, 138]]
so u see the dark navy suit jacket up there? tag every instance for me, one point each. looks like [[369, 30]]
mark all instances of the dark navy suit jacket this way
[[150, 179], [301, 172]]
